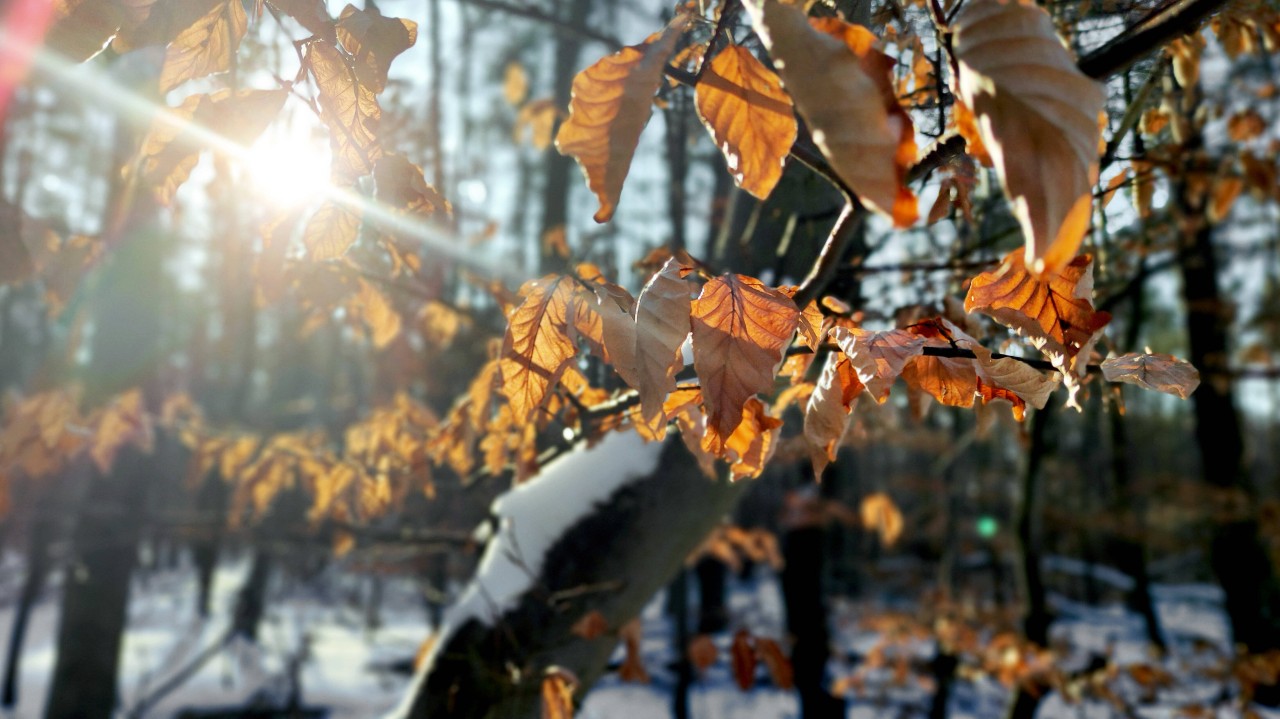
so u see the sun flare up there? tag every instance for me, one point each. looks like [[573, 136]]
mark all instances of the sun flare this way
[[289, 166]]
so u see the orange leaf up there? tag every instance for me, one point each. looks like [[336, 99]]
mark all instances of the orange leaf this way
[[827, 414], [123, 421], [832, 74], [951, 381], [881, 515], [776, 662], [1028, 383], [401, 184], [377, 313], [743, 105], [702, 652], [374, 41], [750, 446], [741, 329], [350, 110], [591, 625], [877, 357], [205, 47], [1160, 372], [557, 693], [1038, 119], [685, 407], [632, 669], [644, 347], [611, 104], [537, 345], [1054, 314], [331, 231], [743, 660]]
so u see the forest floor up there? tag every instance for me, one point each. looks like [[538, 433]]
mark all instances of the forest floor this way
[[352, 660]]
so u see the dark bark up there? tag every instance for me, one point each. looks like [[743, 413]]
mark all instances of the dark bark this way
[[802, 596], [251, 601], [678, 603], [39, 537], [713, 613]]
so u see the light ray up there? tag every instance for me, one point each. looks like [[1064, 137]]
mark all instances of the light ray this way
[[103, 91]]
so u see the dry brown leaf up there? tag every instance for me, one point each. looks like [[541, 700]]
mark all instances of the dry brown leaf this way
[[402, 185], [743, 660], [515, 83], [877, 357], [1056, 315], [123, 421], [776, 662], [951, 381], [311, 14], [172, 147], [205, 47], [864, 135], [752, 443], [349, 109], [881, 515], [826, 416], [611, 104], [741, 330], [537, 345], [1223, 195], [702, 652], [591, 625], [632, 669], [1160, 372], [80, 29], [1038, 120], [535, 121], [331, 231], [1030, 384], [374, 41], [742, 104]]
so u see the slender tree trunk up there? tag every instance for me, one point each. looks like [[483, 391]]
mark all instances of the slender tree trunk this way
[[43, 528], [803, 549], [713, 614], [678, 602]]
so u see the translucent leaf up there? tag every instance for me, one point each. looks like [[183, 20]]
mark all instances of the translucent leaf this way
[[349, 109], [1159, 372], [206, 47], [742, 103], [1038, 119], [374, 41], [611, 104], [537, 345], [741, 330]]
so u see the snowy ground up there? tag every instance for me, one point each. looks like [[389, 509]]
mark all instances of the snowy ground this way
[[345, 665]]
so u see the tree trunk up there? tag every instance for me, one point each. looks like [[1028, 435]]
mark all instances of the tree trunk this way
[[493, 651], [803, 549]]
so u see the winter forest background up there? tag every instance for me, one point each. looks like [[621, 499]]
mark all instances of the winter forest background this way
[[270, 352]]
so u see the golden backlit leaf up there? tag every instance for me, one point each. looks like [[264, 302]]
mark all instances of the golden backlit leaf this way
[[537, 345], [310, 14], [401, 184], [1056, 315], [742, 658], [853, 123], [645, 349], [377, 313], [441, 323], [685, 407], [826, 416], [515, 83], [951, 381], [331, 231], [881, 515], [123, 421], [171, 149], [878, 357], [374, 41], [1159, 372], [742, 104], [1038, 118], [535, 121], [557, 694], [611, 104], [205, 47], [752, 443], [741, 330], [349, 109]]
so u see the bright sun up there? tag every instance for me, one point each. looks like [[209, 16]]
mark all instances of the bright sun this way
[[289, 165]]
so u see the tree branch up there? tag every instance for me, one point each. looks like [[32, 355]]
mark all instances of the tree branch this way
[[1172, 20]]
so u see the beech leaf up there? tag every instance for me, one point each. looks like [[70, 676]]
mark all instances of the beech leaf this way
[[374, 41], [881, 515], [826, 416], [1030, 384], [877, 357], [331, 231], [742, 104], [537, 346], [741, 330], [310, 14], [1038, 119], [205, 47], [743, 659], [611, 104], [1160, 372], [349, 109], [377, 313], [865, 136], [752, 443], [645, 350]]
